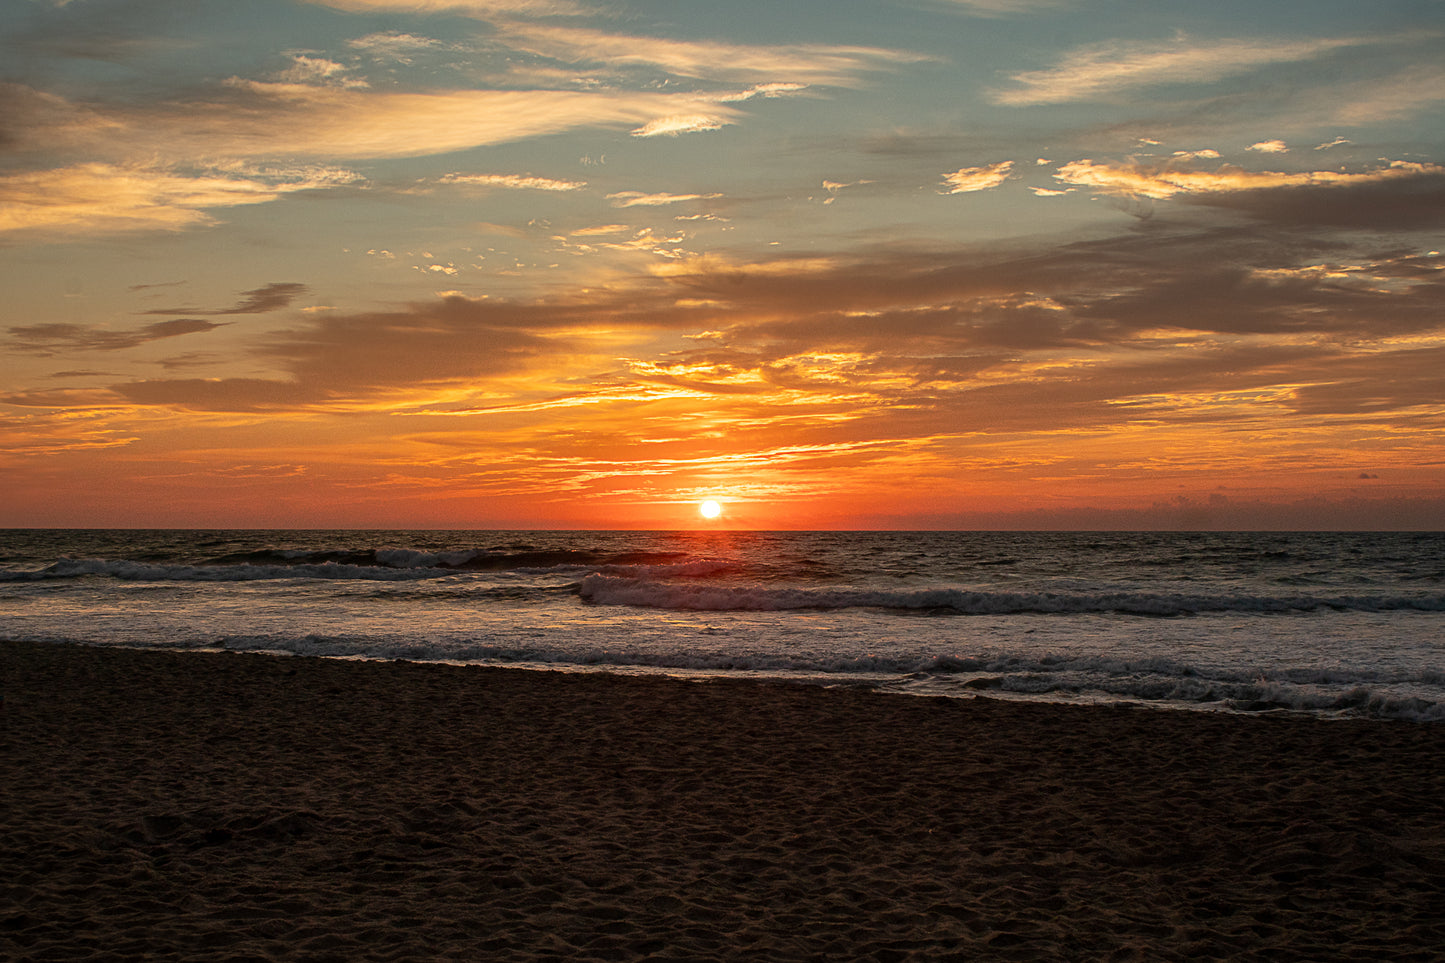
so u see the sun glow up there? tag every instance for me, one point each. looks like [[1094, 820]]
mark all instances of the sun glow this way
[[710, 509]]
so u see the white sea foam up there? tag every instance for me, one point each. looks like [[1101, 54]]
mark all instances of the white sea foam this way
[[1328, 624], [703, 597], [1156, 681]]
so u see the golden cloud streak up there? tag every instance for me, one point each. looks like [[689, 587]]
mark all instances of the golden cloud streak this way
[[799, 64], [1107, 68], [111, 198], [1166, 180], [966, 180]]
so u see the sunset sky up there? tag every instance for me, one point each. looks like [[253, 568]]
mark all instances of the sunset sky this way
[[832, 263]]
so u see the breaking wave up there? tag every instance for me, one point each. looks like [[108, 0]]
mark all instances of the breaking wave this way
[[386, 565], [705, 597]]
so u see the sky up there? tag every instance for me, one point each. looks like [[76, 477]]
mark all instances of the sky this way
[[834, 264]]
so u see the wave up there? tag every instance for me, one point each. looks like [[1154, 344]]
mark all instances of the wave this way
[[390, 565], [1417, 696], [517, 558], [605, 589]]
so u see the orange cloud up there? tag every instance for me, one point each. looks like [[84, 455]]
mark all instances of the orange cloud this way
[[641, 199], [1011, 378], [513, 182], [1166, 180], [112, 198], [299, 120], [969, 179], [250, 119]]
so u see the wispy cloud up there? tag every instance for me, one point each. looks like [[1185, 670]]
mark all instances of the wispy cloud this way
[[1400, 95], [482, 9], [966, 180], [640, 199], [781, 66], [601, 230], [308, 121], [261, 120], [767, 91], [102, 198], [51, 339], [1160, 181], [681, 124], [394, 45], [527, 182], [262, 300], [307, 69], [1100, 70], [997, 8], [834, 188]]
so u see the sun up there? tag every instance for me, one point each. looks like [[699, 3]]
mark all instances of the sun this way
[[710, 509]]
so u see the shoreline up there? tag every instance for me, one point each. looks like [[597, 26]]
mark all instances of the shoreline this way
[[985, 685], [227, 805]]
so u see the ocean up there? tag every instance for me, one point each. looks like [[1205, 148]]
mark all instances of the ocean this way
[[1331, 624]]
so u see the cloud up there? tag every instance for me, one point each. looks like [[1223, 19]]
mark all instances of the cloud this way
[[648, 242], [999, 8], [51, 339], [779, 68], [1154, 354], [834, 188], [512, 182], [393, 45], [220, 394], [249, 119], [1101, 70], [1160, 181], [100, 198], [1269, 147], [1390, 98], [640, 199], [482, 9], [348, 358], [272, 297], [306, 69], [680, 124], [767, 91], [968, 179], [262, 300], [1407, 203], [309, 121]]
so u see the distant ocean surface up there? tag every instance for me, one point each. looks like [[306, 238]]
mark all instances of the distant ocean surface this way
[[1348, 624]]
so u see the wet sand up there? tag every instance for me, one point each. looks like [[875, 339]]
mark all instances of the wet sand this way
[[171, 806]]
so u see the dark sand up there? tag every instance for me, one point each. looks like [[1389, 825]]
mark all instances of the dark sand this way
[[228, 807]]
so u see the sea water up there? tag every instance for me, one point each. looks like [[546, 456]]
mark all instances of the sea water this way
[[1328, 623]]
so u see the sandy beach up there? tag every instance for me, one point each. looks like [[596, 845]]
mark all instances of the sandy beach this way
[[186, 806]]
